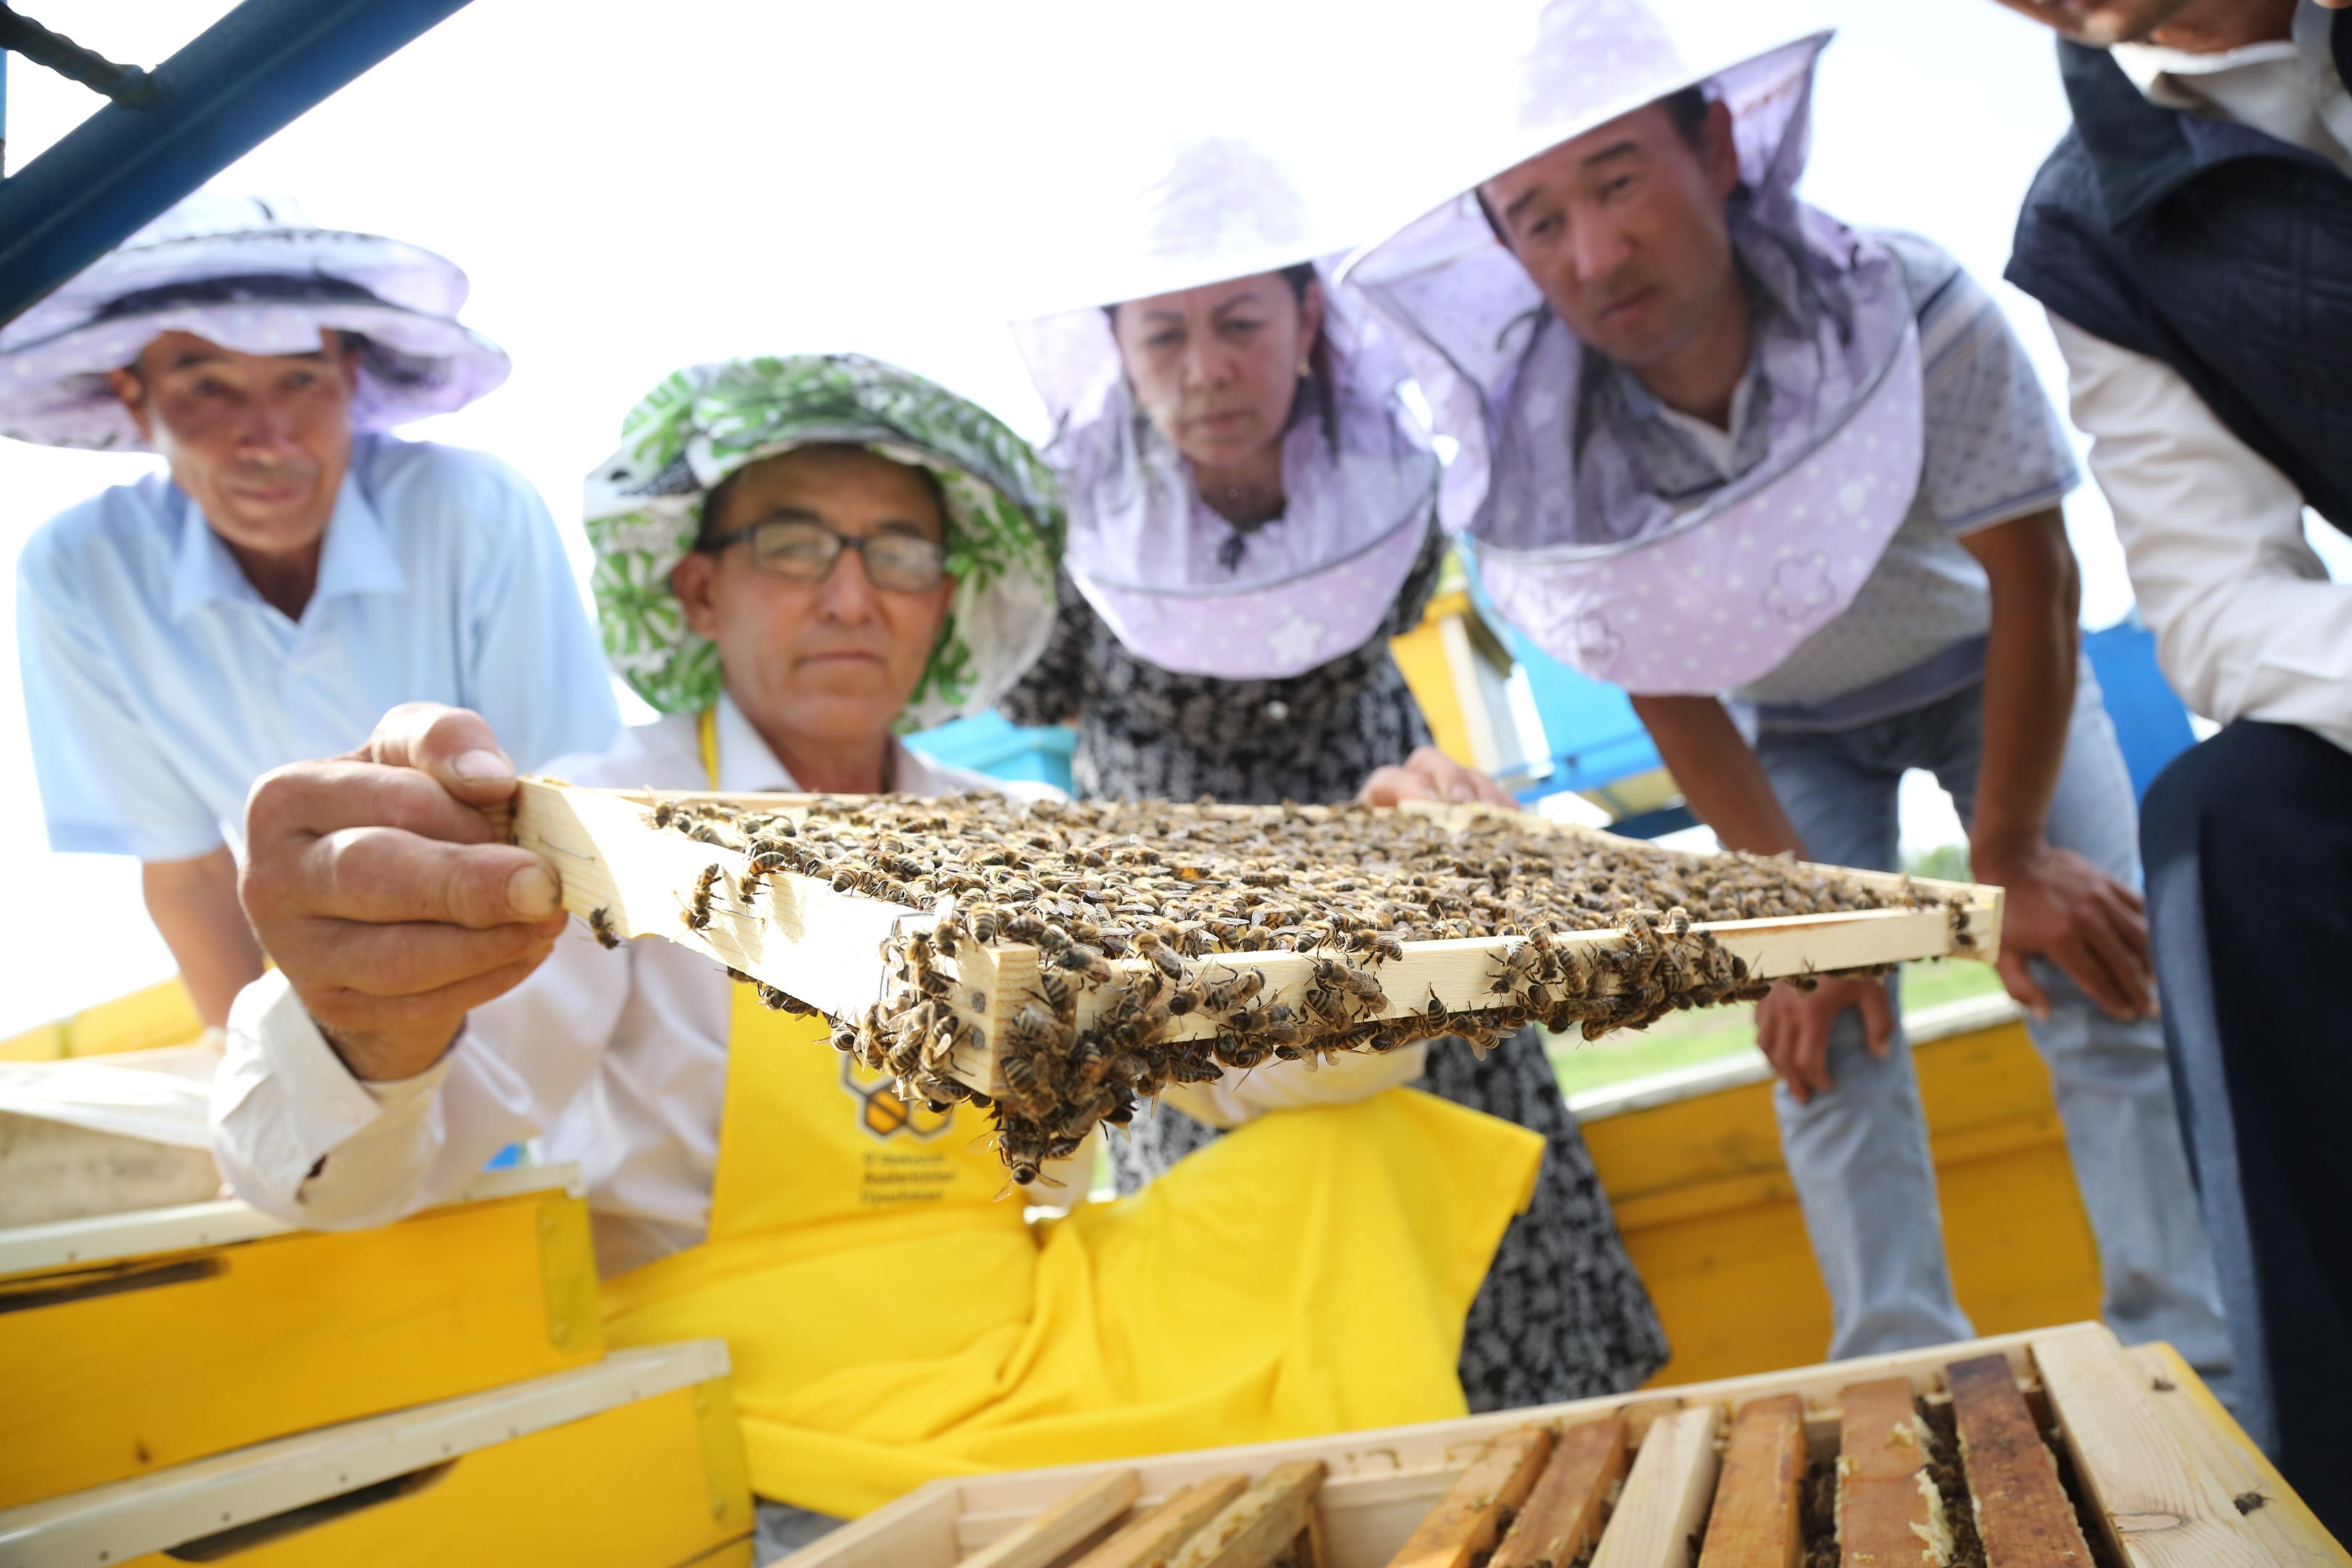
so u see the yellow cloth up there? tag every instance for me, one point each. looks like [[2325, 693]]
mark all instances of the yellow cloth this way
[[891, 1321]]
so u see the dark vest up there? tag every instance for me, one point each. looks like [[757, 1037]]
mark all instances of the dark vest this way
[[2225, 253]]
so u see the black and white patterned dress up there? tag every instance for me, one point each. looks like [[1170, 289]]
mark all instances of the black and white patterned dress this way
[[1562, 1314]]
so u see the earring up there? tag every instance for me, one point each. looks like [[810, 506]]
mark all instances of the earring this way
[[1304, 370]]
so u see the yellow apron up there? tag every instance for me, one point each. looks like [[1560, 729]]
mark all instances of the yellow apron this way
[[891, 1322]]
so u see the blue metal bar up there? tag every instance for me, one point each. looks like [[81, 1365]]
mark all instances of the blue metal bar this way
[[246, 78]]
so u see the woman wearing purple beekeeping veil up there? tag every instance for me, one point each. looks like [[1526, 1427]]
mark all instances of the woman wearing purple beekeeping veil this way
[[1252, 518]]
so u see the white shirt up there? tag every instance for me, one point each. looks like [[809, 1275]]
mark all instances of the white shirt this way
[[159, 684], [615, 1060], [2247, 623]]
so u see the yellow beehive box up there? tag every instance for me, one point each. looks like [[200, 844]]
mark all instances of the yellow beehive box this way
[[136, 1342], [635, 1462]]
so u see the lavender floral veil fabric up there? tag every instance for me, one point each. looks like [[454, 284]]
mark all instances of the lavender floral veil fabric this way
[[249, 274], [1177, 583]]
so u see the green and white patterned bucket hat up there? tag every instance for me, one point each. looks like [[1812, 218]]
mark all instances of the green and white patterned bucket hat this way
[[645, 508]]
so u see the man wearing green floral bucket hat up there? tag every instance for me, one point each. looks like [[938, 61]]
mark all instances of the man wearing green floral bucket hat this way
[[698, 435], [792, 555]]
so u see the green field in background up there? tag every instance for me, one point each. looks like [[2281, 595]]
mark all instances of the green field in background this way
[[1683, 1040]]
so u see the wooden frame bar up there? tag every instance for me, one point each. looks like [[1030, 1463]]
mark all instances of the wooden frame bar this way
[[1260, 1525], [1563, 1514], [1062, 1529], [1884, 1511], [1149, 1540], [1471, 1518], [2281, 1524], [1664, 1505], [2161, 1509], [2022, 1514], [825, 948], [1757, 1519]]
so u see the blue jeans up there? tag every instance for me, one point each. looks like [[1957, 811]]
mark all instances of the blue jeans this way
[[1858, 1155]]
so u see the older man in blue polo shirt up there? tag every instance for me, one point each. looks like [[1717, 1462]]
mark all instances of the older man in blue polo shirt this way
[[293, 572]]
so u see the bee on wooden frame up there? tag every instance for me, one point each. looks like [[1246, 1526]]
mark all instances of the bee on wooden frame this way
[[1057, 995], [697, 914], [600, 926], [1150, 945], [1079, 959], [1227, 995]]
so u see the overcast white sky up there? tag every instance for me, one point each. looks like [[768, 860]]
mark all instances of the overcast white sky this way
[[636, 188]]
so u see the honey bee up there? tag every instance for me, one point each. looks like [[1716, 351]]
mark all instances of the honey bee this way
[[1640, 930], [765, 863], [1146, 1019], [1280, 1025], [1480, 1036], [1234, 1051], [599, 925], [1327, 1006], [1036, 1023], [1153, 946], [1080, 959], [1227, 995], [785, 1001], [1057, 995], [1020, 1075], [697, 914], [1196, 1069]]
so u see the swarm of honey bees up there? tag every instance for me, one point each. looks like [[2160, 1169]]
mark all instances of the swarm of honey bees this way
[[1132, 910]]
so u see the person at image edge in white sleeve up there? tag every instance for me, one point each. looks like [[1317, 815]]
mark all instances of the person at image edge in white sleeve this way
[[2191, 238]]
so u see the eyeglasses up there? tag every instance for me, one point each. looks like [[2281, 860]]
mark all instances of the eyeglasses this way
[[806, 552]]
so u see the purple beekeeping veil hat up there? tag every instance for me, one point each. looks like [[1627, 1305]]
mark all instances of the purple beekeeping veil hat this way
[[252, 276], [1654, 595], [1161, 567]]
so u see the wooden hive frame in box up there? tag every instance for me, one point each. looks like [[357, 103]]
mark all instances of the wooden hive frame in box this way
[[2142, 1469], [825, 948]]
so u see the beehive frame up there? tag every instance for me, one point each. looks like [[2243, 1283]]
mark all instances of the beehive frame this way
[[825, 947]]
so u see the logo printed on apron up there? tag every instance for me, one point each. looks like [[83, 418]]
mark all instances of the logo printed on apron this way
[[882, 1113], [902, 1176]]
